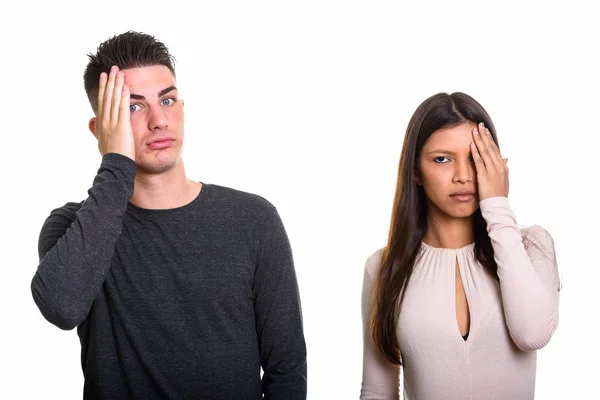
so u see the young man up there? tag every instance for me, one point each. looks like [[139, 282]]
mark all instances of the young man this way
[[178, 289]]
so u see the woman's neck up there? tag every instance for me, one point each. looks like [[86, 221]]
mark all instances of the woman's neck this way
[[448, 232]]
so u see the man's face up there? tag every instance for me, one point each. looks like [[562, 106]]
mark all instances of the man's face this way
[[156, 118]]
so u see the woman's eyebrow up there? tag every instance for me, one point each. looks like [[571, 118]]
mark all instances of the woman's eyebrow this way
[[442, 151]]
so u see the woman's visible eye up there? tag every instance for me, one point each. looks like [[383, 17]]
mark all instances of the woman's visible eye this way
[[134, 107], [167, 102], [441, 159]]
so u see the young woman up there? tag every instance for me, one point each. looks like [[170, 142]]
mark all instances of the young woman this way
[[460, 297]]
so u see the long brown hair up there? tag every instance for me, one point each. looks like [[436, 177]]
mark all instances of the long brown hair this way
[[409, 215]]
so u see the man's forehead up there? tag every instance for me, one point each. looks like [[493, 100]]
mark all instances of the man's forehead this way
[[148, 79]]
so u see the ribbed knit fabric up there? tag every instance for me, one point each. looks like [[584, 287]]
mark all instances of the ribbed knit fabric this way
[[509, 320]]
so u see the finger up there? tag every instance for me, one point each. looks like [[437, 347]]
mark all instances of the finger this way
[[489, 141], [479, 164], [499, 162], [482, 149], [108, 93], [124, 106], [493, 150], [116, 98], [100, 98]]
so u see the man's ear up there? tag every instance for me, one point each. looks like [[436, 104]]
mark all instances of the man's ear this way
[[92, 127], [182, 103]]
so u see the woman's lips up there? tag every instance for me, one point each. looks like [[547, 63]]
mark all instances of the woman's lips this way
[[463, 196]]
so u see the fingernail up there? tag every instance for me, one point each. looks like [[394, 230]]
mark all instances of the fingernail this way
[[481, 125], [476, 131]]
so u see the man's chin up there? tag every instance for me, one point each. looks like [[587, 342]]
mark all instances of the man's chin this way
[[157, 166]]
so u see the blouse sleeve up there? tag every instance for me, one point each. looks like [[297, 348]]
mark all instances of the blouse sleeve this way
[[380, 379], [528, 272]]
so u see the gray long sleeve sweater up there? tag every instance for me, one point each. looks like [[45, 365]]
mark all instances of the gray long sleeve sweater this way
[[181, 303]]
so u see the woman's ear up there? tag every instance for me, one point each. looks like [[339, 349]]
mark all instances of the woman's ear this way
[[418, 178]]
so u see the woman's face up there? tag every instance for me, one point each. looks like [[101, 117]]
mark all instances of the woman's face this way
[[447, 173]]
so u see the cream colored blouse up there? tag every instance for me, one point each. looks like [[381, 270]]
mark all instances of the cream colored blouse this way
[[510, 320]]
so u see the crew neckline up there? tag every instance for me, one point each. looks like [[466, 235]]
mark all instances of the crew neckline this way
[[184, 207]]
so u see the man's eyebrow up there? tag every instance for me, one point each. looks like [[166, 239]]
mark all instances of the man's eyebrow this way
[[160, 94], [167, 90]]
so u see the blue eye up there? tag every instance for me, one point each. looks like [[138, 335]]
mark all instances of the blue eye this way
[[133, 108], [440, 160], [167, 102]]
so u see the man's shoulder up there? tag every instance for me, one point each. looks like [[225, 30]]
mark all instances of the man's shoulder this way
[[233, 198], [68, 211], [55, 226]]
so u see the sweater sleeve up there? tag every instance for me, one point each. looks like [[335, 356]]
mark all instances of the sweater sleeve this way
[[278, 316], [380, 378], [528, 272], [76, 246]]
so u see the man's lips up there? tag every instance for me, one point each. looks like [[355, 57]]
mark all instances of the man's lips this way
[[161, 143]]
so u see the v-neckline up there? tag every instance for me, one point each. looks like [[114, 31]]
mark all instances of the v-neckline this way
[[458, 275]]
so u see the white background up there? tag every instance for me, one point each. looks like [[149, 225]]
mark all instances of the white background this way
[[306, 104]]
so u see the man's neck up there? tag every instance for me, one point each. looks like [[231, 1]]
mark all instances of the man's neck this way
[[170, 189], [448, 232]]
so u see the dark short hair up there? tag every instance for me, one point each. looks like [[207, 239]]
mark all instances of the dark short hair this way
[[127, 50]]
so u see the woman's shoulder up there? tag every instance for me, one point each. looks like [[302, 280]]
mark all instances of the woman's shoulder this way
[[538, 241], [536, 233], [374, 262]]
